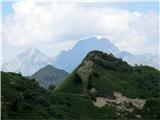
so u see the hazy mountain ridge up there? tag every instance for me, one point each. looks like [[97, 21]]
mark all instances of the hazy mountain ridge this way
[[32, 60], [144, 59], [49, 75], [68, 60], [27, 62]]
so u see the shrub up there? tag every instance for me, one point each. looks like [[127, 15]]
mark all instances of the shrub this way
[[77, 78], [51, 87]]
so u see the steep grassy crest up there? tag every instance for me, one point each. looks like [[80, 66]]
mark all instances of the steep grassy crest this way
[[106, 74]]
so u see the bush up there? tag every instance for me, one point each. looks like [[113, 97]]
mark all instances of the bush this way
[[51, 87], [77, 78]]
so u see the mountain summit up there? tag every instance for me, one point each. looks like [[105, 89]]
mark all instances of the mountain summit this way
[[94, 43], [32, 59], [68, 60], [49, 75], [27, 62]]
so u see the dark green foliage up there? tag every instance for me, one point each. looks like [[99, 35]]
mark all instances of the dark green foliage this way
[[51, 87], [77, 78], [95, 74], [151, 109], [89, 86], [21, 98], [34, 102], [74, 87], [91, 81], [75, 107]]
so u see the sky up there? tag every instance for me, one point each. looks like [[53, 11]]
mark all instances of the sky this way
[[55, 26]]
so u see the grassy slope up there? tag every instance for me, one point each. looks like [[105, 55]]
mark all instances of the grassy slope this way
[[25, 99], [114, 75], [22, 98], [151, 110], [76, 107]]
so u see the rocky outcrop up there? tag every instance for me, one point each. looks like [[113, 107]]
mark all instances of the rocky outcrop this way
[[121, 103]]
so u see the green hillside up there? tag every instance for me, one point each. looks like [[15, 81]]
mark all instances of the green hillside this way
[[22, 98], [105, 74], [49, 75], [25, 99], [102, 87]]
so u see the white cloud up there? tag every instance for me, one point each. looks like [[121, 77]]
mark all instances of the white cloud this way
[[34, 23], [85, 0]]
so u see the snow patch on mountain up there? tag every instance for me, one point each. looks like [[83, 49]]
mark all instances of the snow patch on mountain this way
[[69, 60], [27, 62]]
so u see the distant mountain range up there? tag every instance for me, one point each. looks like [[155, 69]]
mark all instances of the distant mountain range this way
[[144, 59], [27, 62], [68, 60], [49, 75], [32, 59]]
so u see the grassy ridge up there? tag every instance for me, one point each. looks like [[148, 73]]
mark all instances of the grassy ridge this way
[[110, 74]]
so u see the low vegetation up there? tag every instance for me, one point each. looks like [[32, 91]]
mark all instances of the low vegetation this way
[[97, 77]]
